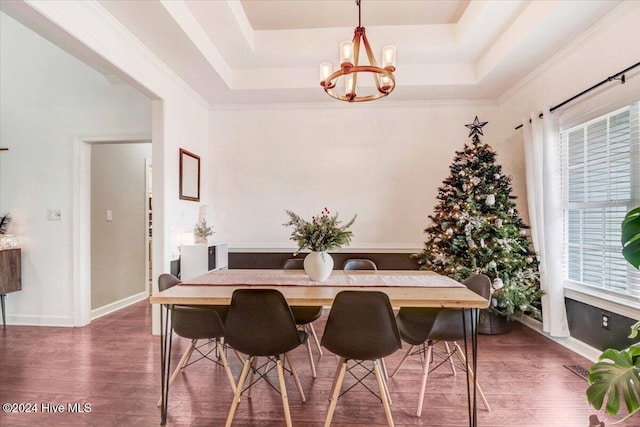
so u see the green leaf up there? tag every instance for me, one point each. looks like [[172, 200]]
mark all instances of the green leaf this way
[[631, 237], [615, 373], [631, 253]]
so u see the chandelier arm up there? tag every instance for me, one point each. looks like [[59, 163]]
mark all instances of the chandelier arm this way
[[372, 59], [330, 84], [356, 60]]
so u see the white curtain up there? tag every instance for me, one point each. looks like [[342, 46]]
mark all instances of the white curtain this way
[[544, 194]]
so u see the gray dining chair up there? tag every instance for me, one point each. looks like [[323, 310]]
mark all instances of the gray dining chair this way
[[359, 264], [198, 323], [424, 327], [305, 316]]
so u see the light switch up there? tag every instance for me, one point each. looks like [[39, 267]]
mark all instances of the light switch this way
[[54, 214], [109, 215]]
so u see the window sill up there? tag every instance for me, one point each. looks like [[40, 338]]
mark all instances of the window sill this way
[[602, 299]]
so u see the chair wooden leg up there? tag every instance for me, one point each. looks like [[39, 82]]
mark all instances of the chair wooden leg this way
[[296, 379], [254, 363], [236, 396], [315, 338], [425, 374], [384, 369], [225, 365], [183, 361], [283, 392], [395, 371], [383, 392], [311, 363], [451, 364], [386, 386], [336, 391], [464, 361], [341, 360]]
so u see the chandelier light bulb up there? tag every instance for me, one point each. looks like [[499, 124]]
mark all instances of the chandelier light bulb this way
[[389, 57], [346, 55], [326, 68], [348, 86]]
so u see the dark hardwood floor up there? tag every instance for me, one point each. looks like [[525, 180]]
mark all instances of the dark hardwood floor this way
[[114, 365]]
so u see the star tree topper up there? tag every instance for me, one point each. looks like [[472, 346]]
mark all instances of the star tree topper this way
[[476, 129]]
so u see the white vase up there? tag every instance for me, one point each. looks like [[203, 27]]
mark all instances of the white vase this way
[[318, 266]]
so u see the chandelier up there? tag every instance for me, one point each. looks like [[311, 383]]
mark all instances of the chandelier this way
[[349, 68]]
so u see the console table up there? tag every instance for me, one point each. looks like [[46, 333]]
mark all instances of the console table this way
[[10, 275]]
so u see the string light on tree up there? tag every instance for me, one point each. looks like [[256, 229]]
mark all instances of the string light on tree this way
[[476, 228]]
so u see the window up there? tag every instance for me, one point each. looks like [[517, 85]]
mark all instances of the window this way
[[601, 183]]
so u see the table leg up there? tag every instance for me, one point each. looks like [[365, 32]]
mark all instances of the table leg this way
[[166, 333], [2, 297], [471, 377]]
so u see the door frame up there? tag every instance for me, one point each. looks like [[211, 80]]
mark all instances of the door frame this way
[[81, 218]]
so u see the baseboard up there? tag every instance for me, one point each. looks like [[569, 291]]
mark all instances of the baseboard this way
[[570, 343], [34, 320], [117, 305]]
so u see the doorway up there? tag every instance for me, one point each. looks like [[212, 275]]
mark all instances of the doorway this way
[[110, 272]]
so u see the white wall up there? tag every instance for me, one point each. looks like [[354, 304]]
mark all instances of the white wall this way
[[48, 98], [118, 252], [179, 118], [609, 46], [382, 161]]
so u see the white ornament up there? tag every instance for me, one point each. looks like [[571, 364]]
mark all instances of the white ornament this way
[[496, 176], [475, 180], [528, 259], [511, 211], [498, 222], [494, 302], [449, 232], [491, 200], [523, 307], [492, 265], [482, 243], [464, 187], [462, 173], [498, 283]]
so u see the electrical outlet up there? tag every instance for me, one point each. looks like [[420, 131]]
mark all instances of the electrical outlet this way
[[606, 321], [54, 214]]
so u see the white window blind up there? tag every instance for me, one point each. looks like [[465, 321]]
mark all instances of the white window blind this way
[[601, 183]]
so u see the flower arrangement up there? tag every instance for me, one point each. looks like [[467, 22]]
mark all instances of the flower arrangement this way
[[202, 230], [323, 233]]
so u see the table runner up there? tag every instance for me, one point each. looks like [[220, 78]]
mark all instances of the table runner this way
[[381, 278]]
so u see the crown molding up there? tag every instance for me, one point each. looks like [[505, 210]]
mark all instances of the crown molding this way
[[335, 104]]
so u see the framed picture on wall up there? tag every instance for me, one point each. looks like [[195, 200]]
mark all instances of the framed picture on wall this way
[[189, 176]]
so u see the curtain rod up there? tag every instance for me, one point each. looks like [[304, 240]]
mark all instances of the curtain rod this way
[[595, 86]]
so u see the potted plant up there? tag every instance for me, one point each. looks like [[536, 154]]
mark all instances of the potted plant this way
[[618, 372], [202, 231], [323, 233]]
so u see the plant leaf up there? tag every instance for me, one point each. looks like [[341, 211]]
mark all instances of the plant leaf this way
[[630, 237], [615, 373]]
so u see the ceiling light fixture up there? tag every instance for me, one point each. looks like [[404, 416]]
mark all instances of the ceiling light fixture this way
[[383, 76]]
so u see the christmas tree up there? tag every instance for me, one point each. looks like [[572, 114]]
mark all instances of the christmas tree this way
[[476, 228]]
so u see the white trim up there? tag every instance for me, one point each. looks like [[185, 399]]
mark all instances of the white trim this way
[[117, 305], [570, 343], [370, 248], [603, 301], [35, 320], [81, 220], [333, 105]]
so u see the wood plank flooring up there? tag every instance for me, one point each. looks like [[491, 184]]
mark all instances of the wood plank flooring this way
[[114, 365]]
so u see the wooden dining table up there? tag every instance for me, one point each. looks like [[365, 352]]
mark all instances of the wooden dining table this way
[[405, 288]]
